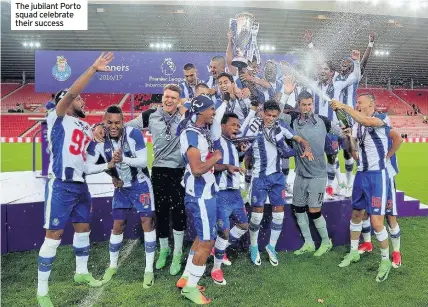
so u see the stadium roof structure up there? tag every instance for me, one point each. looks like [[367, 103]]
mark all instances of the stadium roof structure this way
[[338, 27]]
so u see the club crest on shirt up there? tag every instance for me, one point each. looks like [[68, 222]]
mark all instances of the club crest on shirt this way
[[126, 147]]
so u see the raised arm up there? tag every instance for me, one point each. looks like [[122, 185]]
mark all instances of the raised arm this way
[[78, 86], [229, 55], [358, 116], [251, 115], [368, 52]]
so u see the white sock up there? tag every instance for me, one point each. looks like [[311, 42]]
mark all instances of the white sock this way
[[219, 248], [178, 241], [337, 171], [81, 250], [276, 227], [384, 252], [114, 248], [46, 258], [255, 221], [395, 237], [367, 231], [349, 166], [354, 245], [195, 274], [150, 247], [163, 243], [331, 172], [189, 261], [235, 234]]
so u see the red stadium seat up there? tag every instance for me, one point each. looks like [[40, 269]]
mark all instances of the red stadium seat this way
[[99, 102], [7, 88], [15, 125], [417, 97], [386, 98], [27, 96]]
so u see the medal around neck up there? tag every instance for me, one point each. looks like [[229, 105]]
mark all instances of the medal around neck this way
[[112, 171]]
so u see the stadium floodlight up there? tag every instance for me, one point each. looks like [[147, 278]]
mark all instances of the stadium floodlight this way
[[158, 45], [376, 52], [386, 52], [262, 47], [152, 45], [31, 44], [37, 45], [163, 45], [382, 53], [24, 44], [268, 48], [169, 46], [273, 48]]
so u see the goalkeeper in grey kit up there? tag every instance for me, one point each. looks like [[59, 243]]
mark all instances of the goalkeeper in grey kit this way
[[311, 176]]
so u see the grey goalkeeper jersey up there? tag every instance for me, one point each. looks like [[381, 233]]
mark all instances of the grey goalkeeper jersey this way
[[166, 145], [314, 130]]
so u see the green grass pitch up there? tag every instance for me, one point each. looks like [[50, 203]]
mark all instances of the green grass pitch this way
[[297, 281]]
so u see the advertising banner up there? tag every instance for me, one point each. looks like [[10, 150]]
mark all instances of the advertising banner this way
[[132, 72]]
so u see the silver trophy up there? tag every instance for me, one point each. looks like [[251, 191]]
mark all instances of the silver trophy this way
[[244, 39]]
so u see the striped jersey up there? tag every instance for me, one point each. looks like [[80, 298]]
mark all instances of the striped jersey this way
[[68, 138], [134, 153], [187, 90], [203, 186], [392, 164], [226, 180], [373, 144], [240, 107], [265, 148], [333, 91]]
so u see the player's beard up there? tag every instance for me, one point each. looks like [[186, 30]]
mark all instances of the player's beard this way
[[79, 113]]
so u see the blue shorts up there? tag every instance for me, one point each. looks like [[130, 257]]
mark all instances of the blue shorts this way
[[370, 192], [272, 185], [331, 146], [204, 216], [66, 201], [139, 196], [391, 205], [230, 203]]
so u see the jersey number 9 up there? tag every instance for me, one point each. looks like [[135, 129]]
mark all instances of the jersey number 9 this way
[[78, 143]]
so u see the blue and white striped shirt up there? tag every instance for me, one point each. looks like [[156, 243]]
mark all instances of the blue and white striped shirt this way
[[373, 144], [226, 180], [267, 159], [203, 186], [134, 153]]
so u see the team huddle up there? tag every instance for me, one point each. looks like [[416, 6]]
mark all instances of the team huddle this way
[[206, 136]]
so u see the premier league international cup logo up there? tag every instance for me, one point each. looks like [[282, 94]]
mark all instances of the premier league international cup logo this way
[[61, 71], [168, 67], [244, 38]]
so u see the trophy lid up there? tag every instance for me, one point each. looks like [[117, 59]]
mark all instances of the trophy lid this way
[[245, 14]]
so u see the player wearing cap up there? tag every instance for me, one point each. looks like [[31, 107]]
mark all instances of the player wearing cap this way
[[197, 139]]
